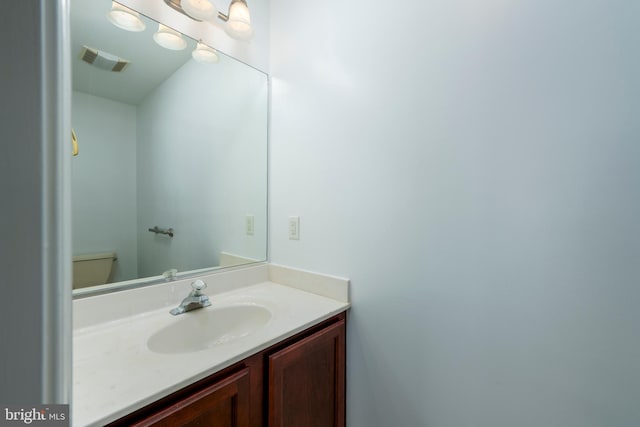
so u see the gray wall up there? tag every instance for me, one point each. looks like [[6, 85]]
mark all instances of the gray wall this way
[[34, 255], [473, 167], [103, 182], [192, 133]]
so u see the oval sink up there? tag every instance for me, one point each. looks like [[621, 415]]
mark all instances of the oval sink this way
[[206, 327]]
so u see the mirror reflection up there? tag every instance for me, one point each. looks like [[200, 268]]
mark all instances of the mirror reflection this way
[[170, 172]]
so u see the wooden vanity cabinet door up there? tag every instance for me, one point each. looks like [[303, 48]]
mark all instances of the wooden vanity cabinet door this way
[[307, 381], [223, 404]]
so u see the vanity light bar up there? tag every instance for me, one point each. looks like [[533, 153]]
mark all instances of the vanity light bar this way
[[238, 19], [177, 6]]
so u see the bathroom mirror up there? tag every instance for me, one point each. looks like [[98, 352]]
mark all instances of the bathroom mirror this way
[[170, 174]]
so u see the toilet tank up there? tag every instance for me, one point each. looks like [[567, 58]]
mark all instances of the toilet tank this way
[[92, 269]]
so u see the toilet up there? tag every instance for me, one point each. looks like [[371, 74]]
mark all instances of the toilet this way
[[92, 269]]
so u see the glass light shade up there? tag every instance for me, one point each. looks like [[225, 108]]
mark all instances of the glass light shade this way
[[239, 23], [169, 38], [125, 18], [205, 54], [199, 9]]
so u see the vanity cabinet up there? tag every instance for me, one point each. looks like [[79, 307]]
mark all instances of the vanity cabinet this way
[[307, 381], [298, 382], [224, 403]]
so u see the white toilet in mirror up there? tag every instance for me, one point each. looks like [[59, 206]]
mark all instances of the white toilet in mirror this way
[[92, 269]]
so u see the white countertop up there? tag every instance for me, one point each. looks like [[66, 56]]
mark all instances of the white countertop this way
[[115, 373]]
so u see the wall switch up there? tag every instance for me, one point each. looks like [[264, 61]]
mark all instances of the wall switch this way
[[249, 222], [294, 228]]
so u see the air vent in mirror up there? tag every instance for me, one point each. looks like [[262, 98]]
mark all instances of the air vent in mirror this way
[[103, 60]]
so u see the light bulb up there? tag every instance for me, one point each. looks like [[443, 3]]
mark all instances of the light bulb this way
[[125, 18], [205, 54], [169, 38], [239, 23], [199, 9]]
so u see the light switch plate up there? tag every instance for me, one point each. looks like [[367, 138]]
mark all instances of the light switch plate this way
[[294, 228], [249, 225]]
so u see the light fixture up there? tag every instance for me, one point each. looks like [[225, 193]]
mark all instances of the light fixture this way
[[205, 54], [125, 18], [199, 9], [238, 20], [169, 38]]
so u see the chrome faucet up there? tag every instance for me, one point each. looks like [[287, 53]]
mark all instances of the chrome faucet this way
[[195, 300]]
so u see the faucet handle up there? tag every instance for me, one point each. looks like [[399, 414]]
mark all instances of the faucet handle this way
[[197, 286]]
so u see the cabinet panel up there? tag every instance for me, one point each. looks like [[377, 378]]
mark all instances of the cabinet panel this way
[[307, 381], [223, 404]]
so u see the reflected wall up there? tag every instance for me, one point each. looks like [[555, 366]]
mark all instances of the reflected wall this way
[[179, 159]]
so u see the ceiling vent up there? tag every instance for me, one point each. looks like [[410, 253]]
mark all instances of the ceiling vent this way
[[103, 60]]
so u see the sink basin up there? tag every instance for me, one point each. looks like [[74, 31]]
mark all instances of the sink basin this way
[[204, 328]]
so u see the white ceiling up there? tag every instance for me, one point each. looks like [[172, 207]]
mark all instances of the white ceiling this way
[[150, 64]]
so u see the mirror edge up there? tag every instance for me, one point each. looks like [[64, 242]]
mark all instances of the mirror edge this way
[[157, 280]]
